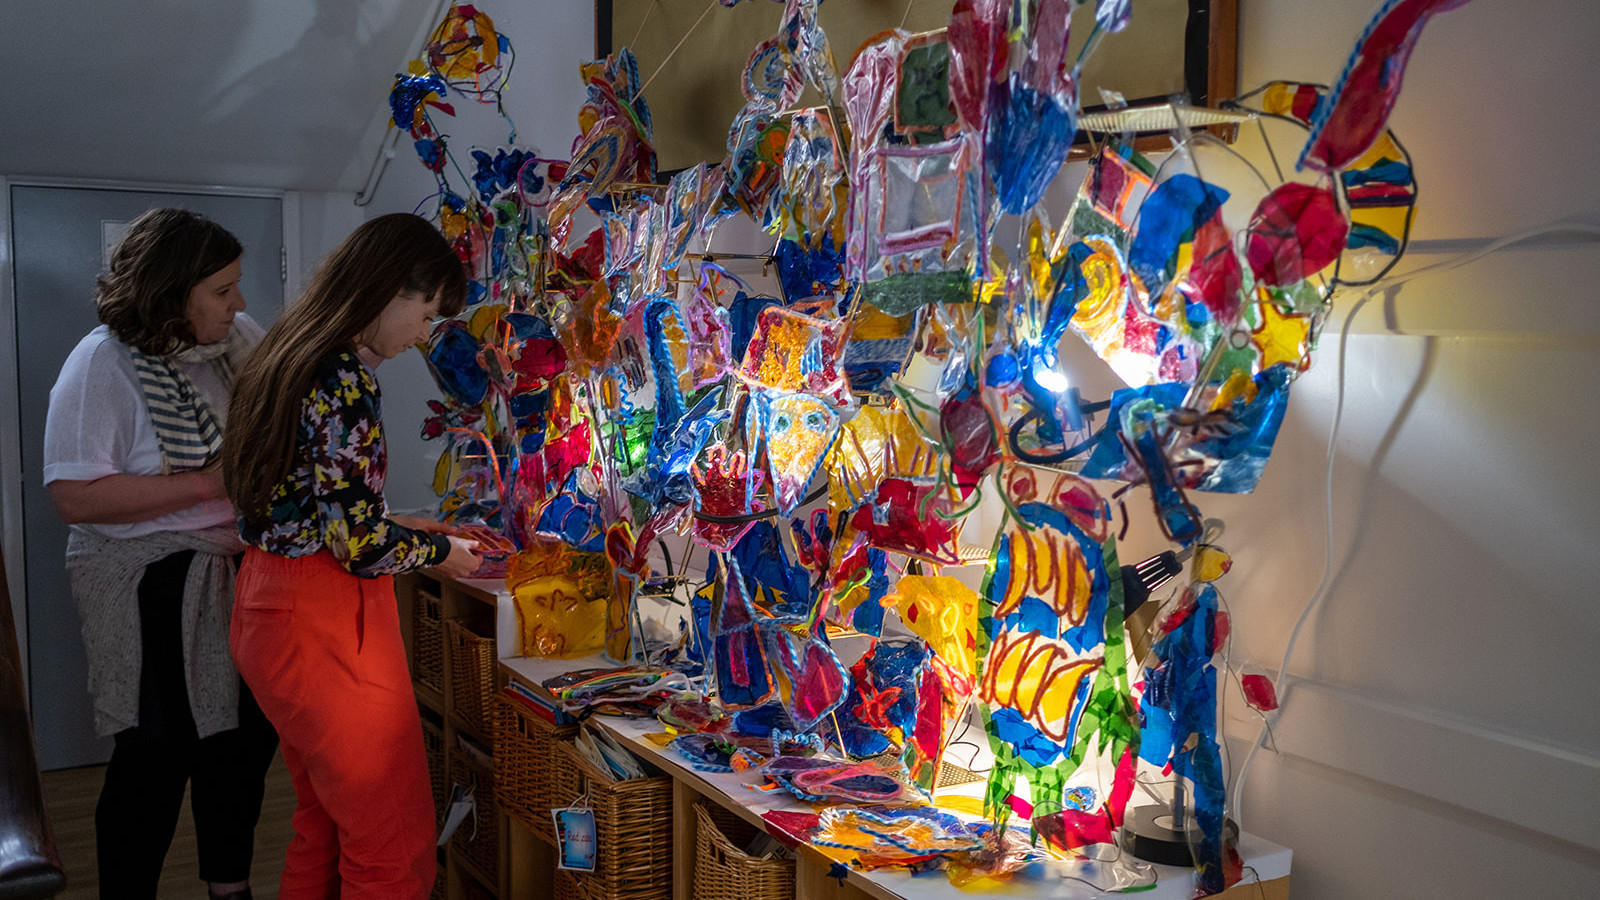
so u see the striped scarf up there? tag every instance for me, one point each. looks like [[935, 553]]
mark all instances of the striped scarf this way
[[187, 430]]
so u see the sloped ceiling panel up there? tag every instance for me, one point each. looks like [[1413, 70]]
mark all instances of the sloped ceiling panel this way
[[288, 94]]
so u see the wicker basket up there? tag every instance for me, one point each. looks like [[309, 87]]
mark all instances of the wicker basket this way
[[566, 886], [427, 641], [633, 825], [524, 764], [480, 846], [471, 676], [724, 872], [441, 880], [433, 749]]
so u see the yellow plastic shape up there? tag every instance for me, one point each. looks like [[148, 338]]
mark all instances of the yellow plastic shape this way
[[561, 597], [944, 612]]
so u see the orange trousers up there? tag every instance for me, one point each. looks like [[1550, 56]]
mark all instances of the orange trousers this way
[[321, 650]]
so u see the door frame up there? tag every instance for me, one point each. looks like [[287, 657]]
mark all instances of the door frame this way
[[11, 475]]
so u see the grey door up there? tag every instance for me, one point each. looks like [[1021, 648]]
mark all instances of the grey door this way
[[59, 234]]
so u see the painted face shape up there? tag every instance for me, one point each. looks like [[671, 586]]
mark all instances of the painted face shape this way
[[800, 429], [213, 303], [407, 320]]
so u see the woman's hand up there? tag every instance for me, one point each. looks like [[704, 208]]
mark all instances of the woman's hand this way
[[463, 559], [418, 523]]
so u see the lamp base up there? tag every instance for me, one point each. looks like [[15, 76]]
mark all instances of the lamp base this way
[[1149, 834]]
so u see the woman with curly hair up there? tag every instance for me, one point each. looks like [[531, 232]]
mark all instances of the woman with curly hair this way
[[132, 438]]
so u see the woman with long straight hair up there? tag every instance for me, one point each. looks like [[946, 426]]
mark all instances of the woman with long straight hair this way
[[130, 460], [315, 630]]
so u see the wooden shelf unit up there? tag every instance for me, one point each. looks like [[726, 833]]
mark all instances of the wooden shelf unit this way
[[474, 605]]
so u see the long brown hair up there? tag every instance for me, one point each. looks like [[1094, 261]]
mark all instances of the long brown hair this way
[[144, 295], [386, 255]]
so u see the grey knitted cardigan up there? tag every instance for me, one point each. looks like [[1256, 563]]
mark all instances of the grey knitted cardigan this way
[[105, 574]]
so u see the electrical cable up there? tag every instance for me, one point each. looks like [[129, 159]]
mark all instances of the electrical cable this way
[[1320, 594]]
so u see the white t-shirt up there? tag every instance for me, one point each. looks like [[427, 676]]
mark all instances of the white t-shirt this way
[[98, 425]]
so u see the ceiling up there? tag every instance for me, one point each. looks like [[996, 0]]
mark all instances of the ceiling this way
[[288, 94]]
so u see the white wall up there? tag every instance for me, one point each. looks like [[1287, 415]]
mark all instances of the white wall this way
[[1439, 738]]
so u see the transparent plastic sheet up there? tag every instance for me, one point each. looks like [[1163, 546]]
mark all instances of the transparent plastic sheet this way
[[877, 836], [815, 682], [942, 611], [1048, 593], [627, 238], [465, 48], [870, 446], [809, 51], [1224, 450], [756, 144], [778, 586], [912, 516], [452, 358], [1030, 133], [796, 353], [705, 752], [720, 480], [1297, 231], [820, 779], [694, 714], [1175, 210], [408, 101], [674, 446], [1113, 15], [922, 97], [812, 170], [797, 431], [877, 351], [1009, 862], [978, 48], [1346, 125], [494, 549], [683, 214], [890, 480], [923, 212], [868, 102], [560, 596], [1046, 68], [1379, 190], [1055, 684], [769, 81], [917, 206], [743, 677], [616, 138], [709, 333], [1180, 700]]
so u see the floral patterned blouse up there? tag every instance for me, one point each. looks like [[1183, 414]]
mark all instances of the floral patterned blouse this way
[[333, 497]]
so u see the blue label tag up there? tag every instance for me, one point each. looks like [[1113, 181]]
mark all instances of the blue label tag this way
[[576, 841]]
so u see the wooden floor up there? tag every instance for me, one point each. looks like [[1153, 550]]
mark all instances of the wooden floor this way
[[70, 796]]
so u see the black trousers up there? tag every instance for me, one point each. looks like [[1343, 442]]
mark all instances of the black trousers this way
[[152, 762]]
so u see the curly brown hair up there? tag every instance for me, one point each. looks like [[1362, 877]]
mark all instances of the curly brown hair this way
[[144, 296], [352, 287]]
